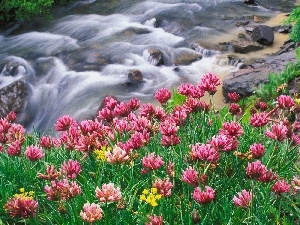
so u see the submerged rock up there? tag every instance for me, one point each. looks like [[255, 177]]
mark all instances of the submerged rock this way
[[135, 77], [183, 56], [154, 56], [245, 46]]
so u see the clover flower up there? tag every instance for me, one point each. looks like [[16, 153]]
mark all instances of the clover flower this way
[[34, 153], [257, 150], [51, 173], [150, 196], [70, 169], [118, 155], [155, 220], [151, 162], [281, 186], [163, 95], [63, 123], [255, 169], [22, 205], [224, 143], [60, 190], [209, 83], [164, 186], [91, 212], [243, 199], [278, 132], [204, 197], [190, 176], [204, 152], [233, 96], [108, 193], [285, 101]]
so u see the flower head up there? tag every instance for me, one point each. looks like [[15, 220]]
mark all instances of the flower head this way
[[209, 83], [150, 196], [233, 129], [164, 186], [278, 132], [204, 152], [34, 153], [91, 212], [204, 197], [243, 199], [151, 162], [118, 155], [163, 95], [21, 206], [155, 220], [281, 186], [233, 96], [255, 169], [285, 101], [190, 176], [257, 150], [258, 119], [70, 169], [108, 193]]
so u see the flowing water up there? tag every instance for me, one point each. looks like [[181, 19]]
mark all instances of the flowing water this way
[[89, 47]]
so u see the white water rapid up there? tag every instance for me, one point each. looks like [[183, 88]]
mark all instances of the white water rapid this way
[[87, 51]]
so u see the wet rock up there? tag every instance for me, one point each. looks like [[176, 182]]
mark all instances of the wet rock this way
[[249, 29], [135, 31], [13, 97], [263, 35], [185, 56], [135, 77], [245, 46], [282, 29], [242, 23], [260, 19], [244, 81], [249, 1], [154, 56]]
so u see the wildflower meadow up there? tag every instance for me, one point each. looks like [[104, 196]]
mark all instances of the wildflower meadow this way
[[182, 162]]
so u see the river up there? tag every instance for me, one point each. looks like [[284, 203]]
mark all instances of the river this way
[[88, 48]]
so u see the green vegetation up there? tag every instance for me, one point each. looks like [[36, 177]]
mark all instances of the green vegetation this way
[[18, 10]]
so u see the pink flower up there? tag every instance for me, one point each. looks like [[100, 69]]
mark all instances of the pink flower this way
[[190, 176], [110, 102], [118, 155], [261, 106], [151, 162], [20, 206], [171, 140], [204, 197], [233, 96], [106, 114], [168, 128], [204, 152], [34, 153], [285, 101], [16, 132], [233, 129], [267, 176], [190, 91], [14, 148], [164, 186], [257, 150], [134, 104], [147, 111], [51, 173], [163, 95], [170, 169], [281, 186], [91, 212], [279, 132], [71, 169], [108, 193], [61, 190], [122, 109], [235, 109], [224, 143], [155, 220], [255, 169], [11, 117], [63, 123], [243, 199], [46, 142], [258, 119], [195, 105], [295, 185], [209, 83]]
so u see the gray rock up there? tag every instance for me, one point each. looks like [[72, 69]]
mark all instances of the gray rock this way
[[154, 56], [13, 97], [135, 77], [183, 56], [244, 81], [249, 1], [263, 35], [245, 46]]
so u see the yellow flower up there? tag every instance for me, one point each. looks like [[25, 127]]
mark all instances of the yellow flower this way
[[22, 190], [150, 197], [100, 153]]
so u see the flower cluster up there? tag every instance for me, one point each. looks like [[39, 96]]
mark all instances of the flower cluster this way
[[150, 196]]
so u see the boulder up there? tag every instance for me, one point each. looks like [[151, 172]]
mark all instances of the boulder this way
[[183, 56], [244, 81], [154, 56], [245, 46], [263, 35], [13, 97], [135, 77]]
